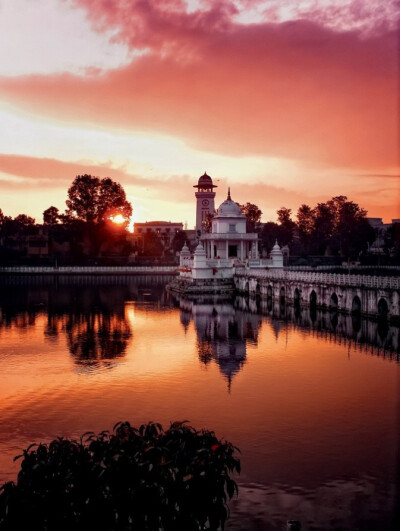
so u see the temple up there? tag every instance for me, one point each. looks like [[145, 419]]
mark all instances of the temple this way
[[224, 245]]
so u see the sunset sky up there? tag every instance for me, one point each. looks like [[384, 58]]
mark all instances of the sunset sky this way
[[287, 102]]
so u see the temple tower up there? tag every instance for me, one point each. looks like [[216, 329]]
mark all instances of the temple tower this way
[[205, 201]]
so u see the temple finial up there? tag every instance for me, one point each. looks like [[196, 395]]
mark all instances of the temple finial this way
[[229, 193]]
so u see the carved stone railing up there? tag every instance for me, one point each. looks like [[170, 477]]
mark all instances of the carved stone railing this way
[[324, 278], [87, 270]]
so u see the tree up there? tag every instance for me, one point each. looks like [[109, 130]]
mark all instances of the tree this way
[[1, 217], [324, 225], [51, 216], [305, 223], [95, 200], [271, 232], [284, 218], [152, 244], [24, 221], [178, 241], [352, 231], [143, 478], [207, 223], [253, 215]]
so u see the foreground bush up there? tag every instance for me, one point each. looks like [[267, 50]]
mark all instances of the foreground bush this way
[[132, 479]]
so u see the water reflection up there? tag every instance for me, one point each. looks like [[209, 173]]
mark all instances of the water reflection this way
[[88, 311], [222, 330], [318, 434], [377, 336]]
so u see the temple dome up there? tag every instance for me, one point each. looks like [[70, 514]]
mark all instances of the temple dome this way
[[229, 209], [205, 181]]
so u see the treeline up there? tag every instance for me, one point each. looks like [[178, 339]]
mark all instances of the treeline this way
[[91, 230], [83, 233], [335, 228]]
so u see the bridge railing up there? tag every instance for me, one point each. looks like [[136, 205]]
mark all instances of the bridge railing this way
[[88, 269], [324, 278]]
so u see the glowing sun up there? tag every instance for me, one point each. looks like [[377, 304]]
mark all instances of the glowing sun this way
[[118, 219]]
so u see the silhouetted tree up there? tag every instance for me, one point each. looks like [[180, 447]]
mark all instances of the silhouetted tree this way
[[272, 231], [152, 244], [207, 223], [253, 216], [24, 220], [305, 223], [179, 239], [51, 216], [324, 225], [284, 218], [94, 200]]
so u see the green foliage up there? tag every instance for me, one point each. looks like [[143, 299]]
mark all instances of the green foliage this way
[[143, 479]]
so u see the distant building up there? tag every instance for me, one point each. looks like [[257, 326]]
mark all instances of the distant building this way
[[166, 230], [29, 242]]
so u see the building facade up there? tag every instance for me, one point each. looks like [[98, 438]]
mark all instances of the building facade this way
[[223, 246], [165, 230]]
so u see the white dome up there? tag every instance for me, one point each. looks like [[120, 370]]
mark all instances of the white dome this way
[[229, 209]]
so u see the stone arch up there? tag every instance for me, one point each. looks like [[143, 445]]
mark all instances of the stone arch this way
[[334, 301], [269, 292], [282, 299], [258, 290], [313, 298], [296, 295], [296, 300], [356, 305], [383, 308]]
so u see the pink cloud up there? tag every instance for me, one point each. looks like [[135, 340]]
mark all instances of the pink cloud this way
[[293, 90], [58, 172]]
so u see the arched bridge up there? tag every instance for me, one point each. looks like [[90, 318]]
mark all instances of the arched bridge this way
[[370, 296]]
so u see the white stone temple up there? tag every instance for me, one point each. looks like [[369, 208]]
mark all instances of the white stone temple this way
[[224, 243]]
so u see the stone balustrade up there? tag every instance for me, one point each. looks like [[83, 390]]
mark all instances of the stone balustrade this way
[[324, 278], [88, 270]]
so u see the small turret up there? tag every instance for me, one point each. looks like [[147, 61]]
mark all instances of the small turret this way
[[184, 256], [276, 255]]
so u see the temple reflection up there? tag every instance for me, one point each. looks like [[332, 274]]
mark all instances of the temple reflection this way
[[224, 328], [223, 332]]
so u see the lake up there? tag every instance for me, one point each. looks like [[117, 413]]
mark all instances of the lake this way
[[311, 399]]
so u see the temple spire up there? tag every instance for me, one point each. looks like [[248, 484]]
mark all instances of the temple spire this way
[[229, 193]]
